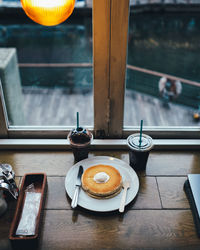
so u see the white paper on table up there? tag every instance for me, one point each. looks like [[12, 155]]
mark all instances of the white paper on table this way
[[30, 210]]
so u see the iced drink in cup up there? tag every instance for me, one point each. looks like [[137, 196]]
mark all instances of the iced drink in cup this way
[[80, 139], [139, 151]]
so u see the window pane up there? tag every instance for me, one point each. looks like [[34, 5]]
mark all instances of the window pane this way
[[51, 79], [161, 43]]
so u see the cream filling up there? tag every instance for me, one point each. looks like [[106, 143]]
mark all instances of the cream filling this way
[[101, 177]]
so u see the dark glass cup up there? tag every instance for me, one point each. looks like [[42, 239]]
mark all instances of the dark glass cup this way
[[138, 154], [80, 148]]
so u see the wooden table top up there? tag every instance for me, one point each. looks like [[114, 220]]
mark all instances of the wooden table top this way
[[159, 217]]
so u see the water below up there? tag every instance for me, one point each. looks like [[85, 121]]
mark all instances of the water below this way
[[167, 43], [163, 42]]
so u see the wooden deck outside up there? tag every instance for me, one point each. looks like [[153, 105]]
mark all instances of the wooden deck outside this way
[[58, 107]]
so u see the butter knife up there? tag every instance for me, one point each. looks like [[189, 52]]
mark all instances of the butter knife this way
[[77, 188]]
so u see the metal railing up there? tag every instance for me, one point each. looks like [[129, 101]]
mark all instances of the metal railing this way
[[138, 79]]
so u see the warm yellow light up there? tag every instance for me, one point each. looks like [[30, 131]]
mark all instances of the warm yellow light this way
[[48, 12]]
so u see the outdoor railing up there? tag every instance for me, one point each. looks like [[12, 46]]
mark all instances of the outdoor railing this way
[[88, 65], [138, 79]]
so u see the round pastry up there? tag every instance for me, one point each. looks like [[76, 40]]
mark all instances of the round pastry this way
[[101, 181]]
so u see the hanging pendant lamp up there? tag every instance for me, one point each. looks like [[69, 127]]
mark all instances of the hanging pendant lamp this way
[[48, 12]]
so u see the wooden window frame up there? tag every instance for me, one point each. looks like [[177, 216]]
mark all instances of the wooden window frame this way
[[110, 32], [3, 116]]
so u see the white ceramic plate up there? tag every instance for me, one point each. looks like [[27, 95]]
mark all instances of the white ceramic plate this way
[[105, 205]]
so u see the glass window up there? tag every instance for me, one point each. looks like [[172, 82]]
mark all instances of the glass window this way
[[50, 73], [46, 72], [163, 78]]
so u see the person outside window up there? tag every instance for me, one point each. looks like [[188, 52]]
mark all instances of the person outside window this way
[[169, 89]]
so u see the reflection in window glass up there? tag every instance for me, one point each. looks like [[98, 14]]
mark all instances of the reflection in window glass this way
[[163, 77], [48, 74]]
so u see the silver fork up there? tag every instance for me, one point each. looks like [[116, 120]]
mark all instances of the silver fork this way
[[126, 186]]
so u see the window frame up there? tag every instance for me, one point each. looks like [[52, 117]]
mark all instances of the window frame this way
[[3, 116], [110, 32]]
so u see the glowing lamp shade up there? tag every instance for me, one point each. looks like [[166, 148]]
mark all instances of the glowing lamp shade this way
[[48, 12]]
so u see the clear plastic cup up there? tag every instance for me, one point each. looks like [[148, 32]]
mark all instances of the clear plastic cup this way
[[138, 154]]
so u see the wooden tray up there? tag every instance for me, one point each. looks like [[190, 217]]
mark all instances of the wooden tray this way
[[40, 184]]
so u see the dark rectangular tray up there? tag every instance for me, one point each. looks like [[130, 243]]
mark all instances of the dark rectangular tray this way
[[40, 184]]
